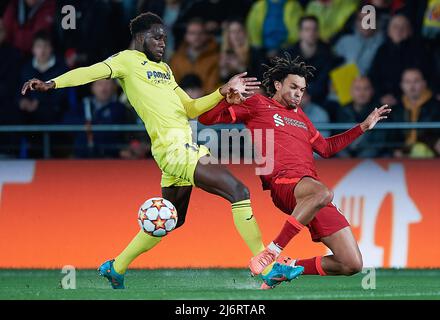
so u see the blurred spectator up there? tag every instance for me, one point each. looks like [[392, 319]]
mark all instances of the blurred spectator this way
[[101, 108], [315, 112], [385, 9], [235, 50], [37, 107], [360, 47], [399, 52], [169, 11], [431, 20], [214, 12], [24, 18], [316, 53], [332, 15], [372, 143], [199, 54], [272, 24], [192, 85], [418, 105]]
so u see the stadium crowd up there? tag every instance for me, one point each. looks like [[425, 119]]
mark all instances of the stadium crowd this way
[[361, 60]]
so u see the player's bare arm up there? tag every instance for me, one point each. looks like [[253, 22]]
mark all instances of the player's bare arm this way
[[375, 116]]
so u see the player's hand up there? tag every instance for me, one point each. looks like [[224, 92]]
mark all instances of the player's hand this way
[[245, 86], [234, 97], [37, 85], [375, 117]]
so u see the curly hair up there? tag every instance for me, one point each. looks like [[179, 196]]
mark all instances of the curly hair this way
[[281, 67], [143, 22]]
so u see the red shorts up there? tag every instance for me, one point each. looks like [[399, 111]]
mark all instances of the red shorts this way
[[327, 221]]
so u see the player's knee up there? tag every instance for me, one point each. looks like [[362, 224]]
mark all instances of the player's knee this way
[[324, 197], [240, 192], [353, 266]]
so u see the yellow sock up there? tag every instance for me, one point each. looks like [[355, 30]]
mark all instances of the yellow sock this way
[[141, 243], [247, 225]]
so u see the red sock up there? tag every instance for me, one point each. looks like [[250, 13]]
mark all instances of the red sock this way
[[291, 228], [311, 266]]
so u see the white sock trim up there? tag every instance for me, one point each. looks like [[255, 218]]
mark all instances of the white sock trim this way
[[272, 246]]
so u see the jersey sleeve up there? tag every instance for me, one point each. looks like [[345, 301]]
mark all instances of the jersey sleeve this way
[[82, 76], [117, 64], [327, 147], [314, 134], [242, 113], [218, 114], [225, 112], [196, 107]]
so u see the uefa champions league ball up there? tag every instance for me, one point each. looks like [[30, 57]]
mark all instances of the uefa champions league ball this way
[[157, 217]]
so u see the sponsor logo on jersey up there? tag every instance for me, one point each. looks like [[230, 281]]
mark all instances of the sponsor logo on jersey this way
[[295, 123], [157, 75], [278, 120], [282, 121]]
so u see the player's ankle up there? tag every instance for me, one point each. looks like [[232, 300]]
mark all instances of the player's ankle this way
[[273, 247]]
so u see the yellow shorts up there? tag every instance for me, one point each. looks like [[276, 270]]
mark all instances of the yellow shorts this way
[[178, 164]]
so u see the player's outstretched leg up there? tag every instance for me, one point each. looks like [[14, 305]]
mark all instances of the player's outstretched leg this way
[[217, 179], [114, 270], [345, 260], [311, 195]]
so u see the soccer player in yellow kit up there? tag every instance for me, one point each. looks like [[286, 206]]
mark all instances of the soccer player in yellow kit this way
[[165, 109]]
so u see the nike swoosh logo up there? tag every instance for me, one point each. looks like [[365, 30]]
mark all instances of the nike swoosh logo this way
[[283, 278], [250, 217]]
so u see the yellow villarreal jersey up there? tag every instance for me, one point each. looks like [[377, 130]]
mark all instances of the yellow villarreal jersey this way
[[149, 87]]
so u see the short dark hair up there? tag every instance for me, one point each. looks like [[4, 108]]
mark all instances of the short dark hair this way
[[143, 22], [196, 20], [281, 67], [42, 35], [305, 18], [412, 68]]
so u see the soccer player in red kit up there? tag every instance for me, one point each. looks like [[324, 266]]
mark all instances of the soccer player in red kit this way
[[294, 184]]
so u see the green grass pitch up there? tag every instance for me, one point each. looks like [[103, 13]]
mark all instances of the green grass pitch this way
[[217, 284]]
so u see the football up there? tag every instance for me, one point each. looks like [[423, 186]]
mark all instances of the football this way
[[157, 217]]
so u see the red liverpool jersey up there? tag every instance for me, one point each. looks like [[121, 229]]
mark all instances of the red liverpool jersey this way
[[294, 136]]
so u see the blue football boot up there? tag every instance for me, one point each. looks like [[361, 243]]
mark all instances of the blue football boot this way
[[280, 273], [116, 280]]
